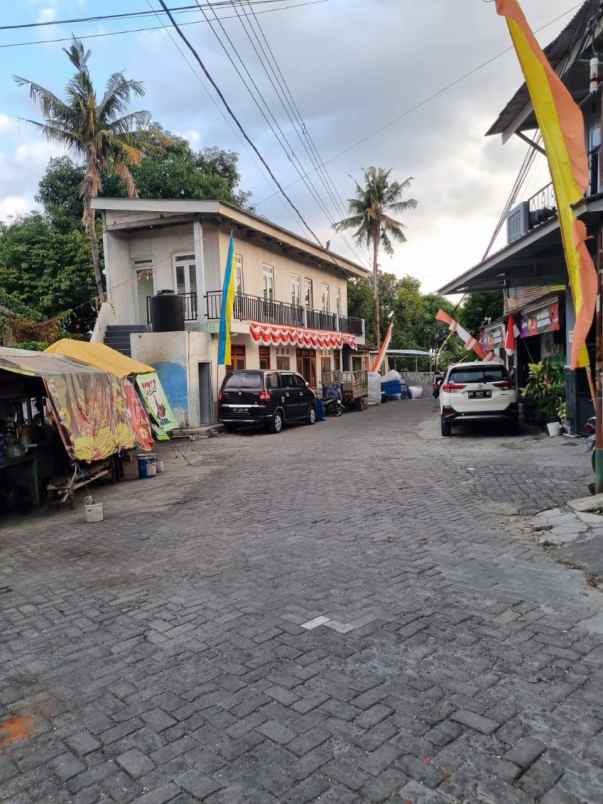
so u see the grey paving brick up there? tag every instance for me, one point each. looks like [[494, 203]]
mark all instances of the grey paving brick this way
[[371, 717], [525, 752], [308, 741], [198, 784], [161, 795], [67, 765], [135, 762], [485, 725], [158, 720], [82, 743], [278, 732]]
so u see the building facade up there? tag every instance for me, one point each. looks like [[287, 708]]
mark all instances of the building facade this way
[[290, 312]]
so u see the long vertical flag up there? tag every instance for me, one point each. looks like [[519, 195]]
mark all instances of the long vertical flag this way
[[561, 123], [468, 339], [228, 296], [384, 347]]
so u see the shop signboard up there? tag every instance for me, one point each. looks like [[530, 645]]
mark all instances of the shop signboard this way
[[543, 319], [155, 401]]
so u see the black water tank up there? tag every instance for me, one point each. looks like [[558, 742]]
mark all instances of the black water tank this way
[[167, 312]]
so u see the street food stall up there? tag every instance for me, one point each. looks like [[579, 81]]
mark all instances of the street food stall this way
[[62, 425]]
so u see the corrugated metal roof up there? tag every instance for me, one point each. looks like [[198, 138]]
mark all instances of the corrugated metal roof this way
[[556, 51]]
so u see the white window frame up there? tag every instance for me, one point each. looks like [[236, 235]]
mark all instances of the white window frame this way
[[308, 285], [240, 286], [186, 259], [296, 290], [325, 298], [267, 271]]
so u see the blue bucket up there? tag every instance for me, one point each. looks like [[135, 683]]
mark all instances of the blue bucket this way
[[147, 466]]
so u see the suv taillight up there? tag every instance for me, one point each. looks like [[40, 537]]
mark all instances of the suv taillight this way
[[504, 385], [451, 387], [265, 396]]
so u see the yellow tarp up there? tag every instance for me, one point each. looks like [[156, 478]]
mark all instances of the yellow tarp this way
[[99, 356]]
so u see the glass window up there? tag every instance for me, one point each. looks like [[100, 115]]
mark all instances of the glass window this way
[[325, 364], [272, 381], [240, 277], [268, 277], [478, 374], [180, 280], [308, 293], [295, 290], [244, 379], [298, 382], [264, 357], [286, 381], [325, 299], [192, 278], [283, 362], [237, 356]]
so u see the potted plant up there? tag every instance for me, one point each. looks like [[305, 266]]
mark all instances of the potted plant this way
[[545, 393]]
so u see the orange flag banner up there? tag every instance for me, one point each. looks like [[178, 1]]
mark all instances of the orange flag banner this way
[[561, 124], [384, 347], [468, 339]]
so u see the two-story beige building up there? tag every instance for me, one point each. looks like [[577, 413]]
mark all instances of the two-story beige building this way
[[291, 307]]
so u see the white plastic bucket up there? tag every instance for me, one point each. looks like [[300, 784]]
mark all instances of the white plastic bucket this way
[[160, 466], [94, 512], [554, 429]]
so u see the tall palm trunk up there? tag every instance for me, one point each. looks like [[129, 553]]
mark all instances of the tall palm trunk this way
[[376, 238], [90, 225]]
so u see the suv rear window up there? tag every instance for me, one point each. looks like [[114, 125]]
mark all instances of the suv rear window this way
[[252, 380], [478, 374]]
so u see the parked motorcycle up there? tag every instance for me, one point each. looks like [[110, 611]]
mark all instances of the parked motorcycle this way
[[437, 384], [332, 400]]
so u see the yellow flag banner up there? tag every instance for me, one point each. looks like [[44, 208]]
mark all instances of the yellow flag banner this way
[[561, 124]]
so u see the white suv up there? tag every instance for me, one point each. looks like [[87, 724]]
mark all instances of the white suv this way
[[476, 391]]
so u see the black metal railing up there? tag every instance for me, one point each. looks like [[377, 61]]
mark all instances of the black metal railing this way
[[353, 326], [190, 306], [255, 308], [542, 206], [318, 319]]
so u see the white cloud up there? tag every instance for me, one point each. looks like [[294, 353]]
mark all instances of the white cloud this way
[[12, 206], [7, 123], [47, 14]]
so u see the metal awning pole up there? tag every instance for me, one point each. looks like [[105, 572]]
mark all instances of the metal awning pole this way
[[599, 317]]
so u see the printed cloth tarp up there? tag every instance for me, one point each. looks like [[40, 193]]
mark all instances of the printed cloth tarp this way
[[156, 403], [99, 356], [139, 418], [90, 406], [277, 335]]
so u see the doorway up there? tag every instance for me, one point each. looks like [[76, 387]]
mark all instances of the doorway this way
[[306, 365], [206, 402], [145, 287]]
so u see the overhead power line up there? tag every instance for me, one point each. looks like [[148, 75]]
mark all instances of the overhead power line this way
[[125, 15], [433, 96], [124, 31], [238, 123]]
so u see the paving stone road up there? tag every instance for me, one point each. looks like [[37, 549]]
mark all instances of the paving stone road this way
[[339, 613]]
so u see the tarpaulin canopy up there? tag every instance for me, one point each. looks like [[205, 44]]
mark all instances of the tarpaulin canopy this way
[[90, 406], [100, 356], [278, 335]]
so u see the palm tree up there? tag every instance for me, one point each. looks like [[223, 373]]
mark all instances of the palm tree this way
[[99, 132], [370, 216]]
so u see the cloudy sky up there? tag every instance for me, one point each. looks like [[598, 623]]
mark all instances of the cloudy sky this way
[[357, 69]]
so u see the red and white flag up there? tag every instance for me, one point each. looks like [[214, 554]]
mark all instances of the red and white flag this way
[[511, 336], [468, 339]]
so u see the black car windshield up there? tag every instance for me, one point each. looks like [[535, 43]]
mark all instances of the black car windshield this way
[[478, 374], [247, 379]]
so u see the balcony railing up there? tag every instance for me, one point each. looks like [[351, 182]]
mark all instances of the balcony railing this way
[[190, 306], [255, 308], [543, 204]]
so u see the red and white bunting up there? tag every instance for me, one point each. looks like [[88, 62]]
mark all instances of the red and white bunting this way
[[276, 335]]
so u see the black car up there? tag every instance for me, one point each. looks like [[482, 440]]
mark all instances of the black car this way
[[266, 398]]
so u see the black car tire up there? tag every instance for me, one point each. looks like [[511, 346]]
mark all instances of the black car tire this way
[[276, 423], [446, 428], [229, 428], [311, 415]]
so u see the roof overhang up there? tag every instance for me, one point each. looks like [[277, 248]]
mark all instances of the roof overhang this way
[[536, 259], [147, 213], [564, 56]]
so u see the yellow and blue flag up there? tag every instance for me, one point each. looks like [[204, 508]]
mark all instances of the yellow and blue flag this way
[[228, 296]]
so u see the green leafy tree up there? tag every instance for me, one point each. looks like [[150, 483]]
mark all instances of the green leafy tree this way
[[99, 131], [372, 217], [478, 307], [45, 272]]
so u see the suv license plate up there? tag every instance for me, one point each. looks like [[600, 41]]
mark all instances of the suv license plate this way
[[480, 394]]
